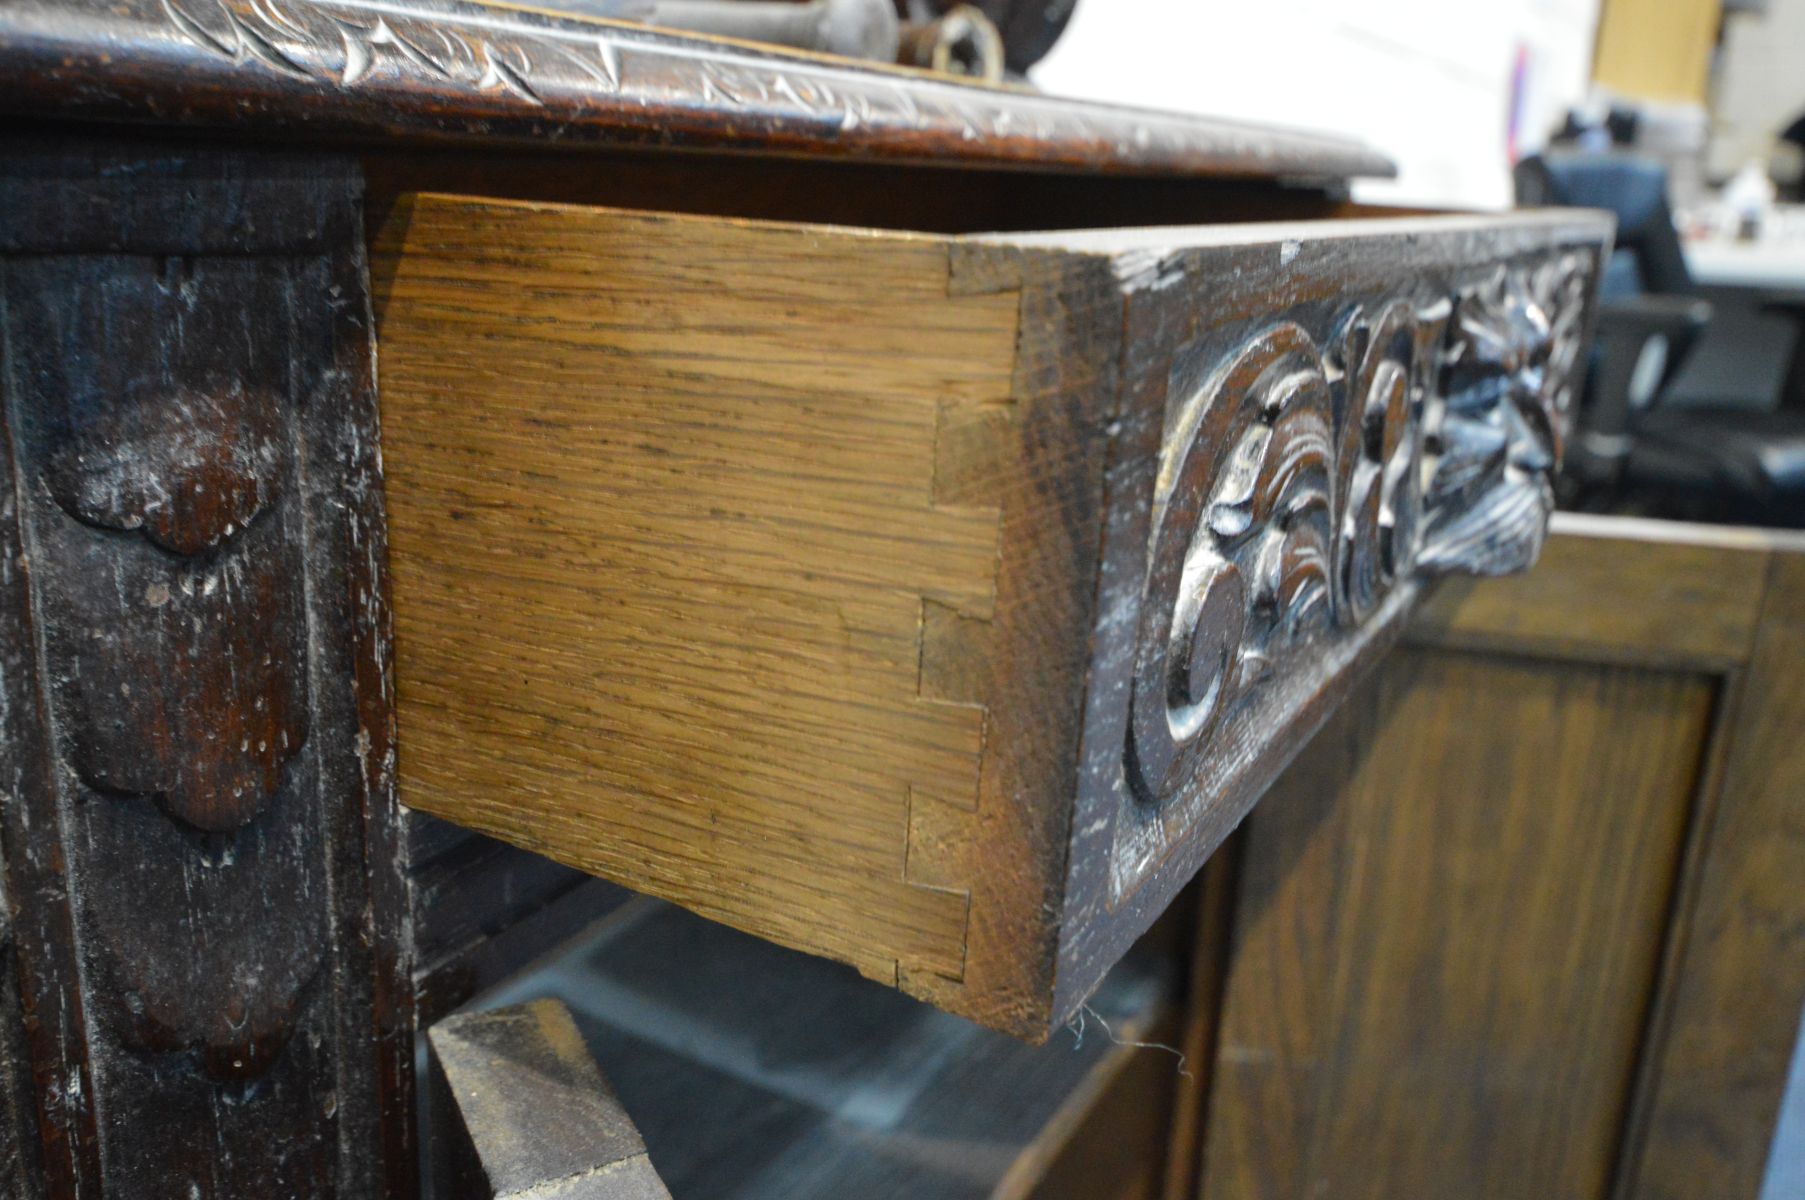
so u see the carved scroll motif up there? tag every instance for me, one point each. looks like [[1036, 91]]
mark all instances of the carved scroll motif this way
[[1299, 485], [1242, 564], [1387, 365]]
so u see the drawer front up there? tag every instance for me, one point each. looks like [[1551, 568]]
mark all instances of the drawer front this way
[[1314, 425], [935, 604]]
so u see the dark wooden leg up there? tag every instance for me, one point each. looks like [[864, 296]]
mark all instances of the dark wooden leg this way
[[196, 746]]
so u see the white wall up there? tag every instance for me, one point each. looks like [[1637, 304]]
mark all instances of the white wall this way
[[1760, 83], [1427, 82]]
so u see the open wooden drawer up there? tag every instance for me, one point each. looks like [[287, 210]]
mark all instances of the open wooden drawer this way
[[936, 604]]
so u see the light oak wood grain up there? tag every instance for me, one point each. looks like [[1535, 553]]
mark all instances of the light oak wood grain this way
[[1524, 921], [1615, 590], [665, 622]]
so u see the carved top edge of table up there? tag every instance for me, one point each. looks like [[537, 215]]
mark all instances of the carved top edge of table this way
[[451, 70]]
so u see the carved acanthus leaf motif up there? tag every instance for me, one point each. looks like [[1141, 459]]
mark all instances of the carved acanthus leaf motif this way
[[184, 682], [1296, 492], [569, 70], [1497, 422], [348, 44]]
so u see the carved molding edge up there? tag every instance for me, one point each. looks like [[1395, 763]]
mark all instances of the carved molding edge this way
[[443, 67]]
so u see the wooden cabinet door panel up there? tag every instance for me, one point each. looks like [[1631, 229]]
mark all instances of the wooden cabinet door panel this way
[[1524, 920], [1451, 912]]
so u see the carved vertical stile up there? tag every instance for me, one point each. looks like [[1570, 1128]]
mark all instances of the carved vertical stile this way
[[199, 833], [39, 914], [21, 1161]]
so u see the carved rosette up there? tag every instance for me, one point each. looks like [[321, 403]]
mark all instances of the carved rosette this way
[[1299, 487]]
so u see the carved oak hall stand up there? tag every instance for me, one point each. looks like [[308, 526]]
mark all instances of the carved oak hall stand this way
[[691, 463]]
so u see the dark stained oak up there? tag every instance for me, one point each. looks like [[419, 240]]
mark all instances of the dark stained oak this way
[[200, 827], [1523, 920], [906, 197], [21, 1170], [1444, 944], [451, 70]]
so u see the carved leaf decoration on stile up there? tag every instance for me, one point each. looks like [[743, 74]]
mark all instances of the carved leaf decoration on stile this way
[[186, 471], [187, 684], [260, 977], [188, 413]]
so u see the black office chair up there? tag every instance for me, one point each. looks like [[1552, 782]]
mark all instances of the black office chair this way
[[1707, 462]]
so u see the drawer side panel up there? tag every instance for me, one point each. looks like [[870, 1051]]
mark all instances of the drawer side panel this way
[[668, 526]]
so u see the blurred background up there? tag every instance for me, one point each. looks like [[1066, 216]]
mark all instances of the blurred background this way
[[1455, 93], [1683, 117]]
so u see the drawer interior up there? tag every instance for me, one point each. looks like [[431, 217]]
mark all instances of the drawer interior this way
[[871, 195]]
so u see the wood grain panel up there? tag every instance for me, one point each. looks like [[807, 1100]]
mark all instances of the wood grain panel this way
[[741, 532], [1450, 917], [1719, 1062], [1614, 589]]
